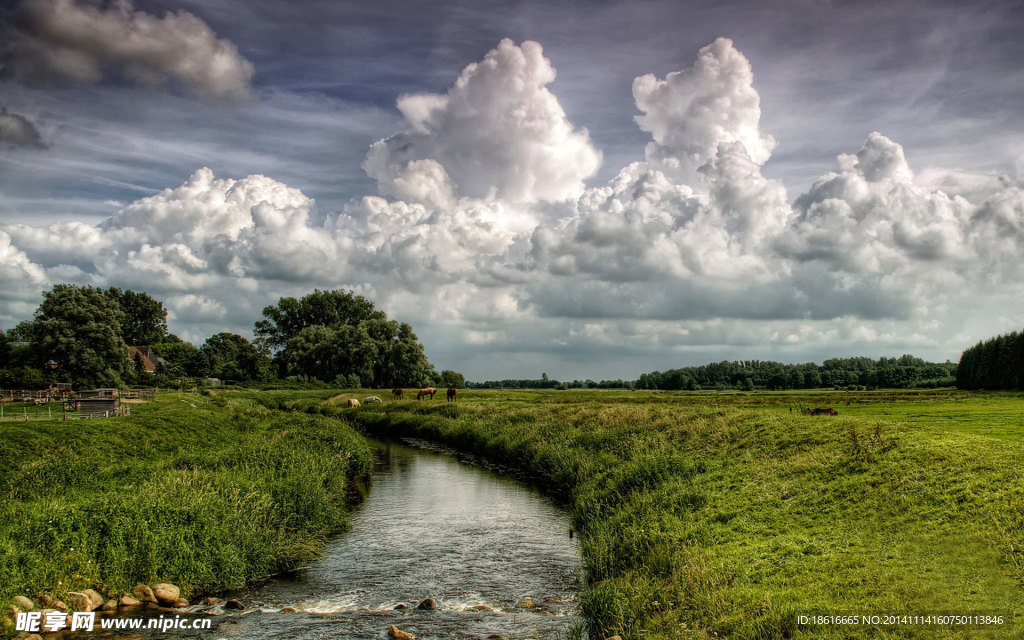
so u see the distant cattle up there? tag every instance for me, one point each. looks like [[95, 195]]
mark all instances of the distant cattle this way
[[823, 411], [352, 402], [452, 394], [372, 400], [426, 391], [398, 392]]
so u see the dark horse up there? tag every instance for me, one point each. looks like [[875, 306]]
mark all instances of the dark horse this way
[[826, 411], [427, 391], [398, 393], [452, 394]]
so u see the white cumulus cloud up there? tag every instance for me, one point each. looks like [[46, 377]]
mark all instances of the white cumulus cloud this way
[[498, 132], [692, 111]]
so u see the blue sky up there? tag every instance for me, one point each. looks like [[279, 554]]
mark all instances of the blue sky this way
[[572, 239]]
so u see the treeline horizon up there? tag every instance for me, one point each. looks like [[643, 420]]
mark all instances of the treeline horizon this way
[[905, 372]]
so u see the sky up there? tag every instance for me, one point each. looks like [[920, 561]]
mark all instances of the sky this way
[[585, 189]]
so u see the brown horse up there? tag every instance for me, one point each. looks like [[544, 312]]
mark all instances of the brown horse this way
[[452, 394], [426, 391], [398, 393]]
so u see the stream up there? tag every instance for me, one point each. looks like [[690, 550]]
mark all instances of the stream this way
[[474, 541]]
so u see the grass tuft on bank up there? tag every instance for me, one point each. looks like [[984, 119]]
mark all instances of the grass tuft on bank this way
[[203, 494]]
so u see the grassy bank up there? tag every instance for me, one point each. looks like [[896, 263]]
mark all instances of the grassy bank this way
[[707, 515], [203, 494]]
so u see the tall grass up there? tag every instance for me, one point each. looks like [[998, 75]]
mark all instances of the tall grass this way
[[706, 516], [197, 493]]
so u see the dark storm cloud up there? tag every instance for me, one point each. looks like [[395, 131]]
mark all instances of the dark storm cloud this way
[[18, 131], [84, 41]]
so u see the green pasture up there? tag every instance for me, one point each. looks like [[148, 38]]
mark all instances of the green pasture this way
[[708, 515]]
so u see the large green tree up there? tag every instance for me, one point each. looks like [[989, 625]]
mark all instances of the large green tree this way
[[178, 356], [334, 335], [290, 316], [232, 357], [144, 321], [79, 328]]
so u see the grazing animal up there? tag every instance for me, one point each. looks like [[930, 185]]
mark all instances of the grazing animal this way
[[372, 400], [352, 402], [426, 391], [452, 394], [398, 393], [823, 411]]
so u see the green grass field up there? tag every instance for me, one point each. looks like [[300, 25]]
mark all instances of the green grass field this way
[[732, 515], [700, 515], [204, 494]]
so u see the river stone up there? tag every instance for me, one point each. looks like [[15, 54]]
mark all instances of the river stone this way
[[289, 610], [234, 604], [144, 593], [210, 602], [546, 613], [481, 607], [526, 603], [95, 597], [110, 605], [128, 601], [552, 601], [34, 636], [427, 604], [495, 636], [613, 638], [397, 634], [80, 601], [400, 606], [50, 602], [181, 602], [24, 603], [166, 593]]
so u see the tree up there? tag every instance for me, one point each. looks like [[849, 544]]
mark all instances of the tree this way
[[80, 329], [145, 319], [232, 357], [451, 378], [321, 308], [332, 334], [179, 357], [5, 350]]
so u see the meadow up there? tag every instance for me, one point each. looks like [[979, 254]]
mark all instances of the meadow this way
[[202, 493], [699, 515], [732, 515]]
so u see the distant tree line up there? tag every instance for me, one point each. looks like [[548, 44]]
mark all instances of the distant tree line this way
[[82, 335], [544, 382], [844, 373], [889, 373], [997, 363]]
